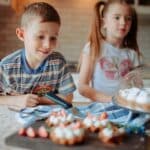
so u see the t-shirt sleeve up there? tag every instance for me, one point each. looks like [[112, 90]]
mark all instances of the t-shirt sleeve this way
[[66, 84], [86, 48], [135, 59]]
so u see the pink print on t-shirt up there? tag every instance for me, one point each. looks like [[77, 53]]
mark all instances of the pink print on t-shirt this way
[[113, 70], [124, 67], [110, 70]]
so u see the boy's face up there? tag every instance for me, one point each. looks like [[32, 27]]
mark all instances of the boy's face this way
[[40, 39]]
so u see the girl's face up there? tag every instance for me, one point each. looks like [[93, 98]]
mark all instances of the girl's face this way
[[40, 39], [117, 21]]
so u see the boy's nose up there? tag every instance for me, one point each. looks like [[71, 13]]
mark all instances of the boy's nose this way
[[47, 44]]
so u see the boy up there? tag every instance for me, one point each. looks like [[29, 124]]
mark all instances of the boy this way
[[28, 73]]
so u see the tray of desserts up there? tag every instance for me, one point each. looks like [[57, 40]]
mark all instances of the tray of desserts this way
[[135, 99], [62, 131]]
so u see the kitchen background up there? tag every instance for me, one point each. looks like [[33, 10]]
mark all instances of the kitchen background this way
[[76, 18]]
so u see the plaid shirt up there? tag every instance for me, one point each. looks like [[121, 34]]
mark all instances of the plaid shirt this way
[[52, 74]]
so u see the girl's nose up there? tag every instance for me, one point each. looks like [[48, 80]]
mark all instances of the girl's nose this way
[[122, 20]]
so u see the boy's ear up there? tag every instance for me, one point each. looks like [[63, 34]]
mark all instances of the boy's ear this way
[[103, 23], [20, 33]]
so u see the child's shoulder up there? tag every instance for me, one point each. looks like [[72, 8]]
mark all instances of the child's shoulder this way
[[57, 56], [12, 58]]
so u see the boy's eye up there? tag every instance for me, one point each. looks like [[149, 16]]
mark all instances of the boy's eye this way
[[41, 37], [53, 38]]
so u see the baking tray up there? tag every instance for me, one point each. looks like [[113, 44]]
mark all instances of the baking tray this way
[[137, 110], [91, 142]]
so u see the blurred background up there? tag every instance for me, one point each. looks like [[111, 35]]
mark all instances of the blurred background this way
[[76, 18]]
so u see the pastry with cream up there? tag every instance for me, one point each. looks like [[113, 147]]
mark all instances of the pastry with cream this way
[[69, 134], [95, 123], [111, 134], [59, 117]]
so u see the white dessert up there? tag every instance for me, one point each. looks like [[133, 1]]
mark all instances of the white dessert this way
[[136, 98], [112, 133], [143, 97], [130, 94], [95, 123], [68, 134], [59, 117]]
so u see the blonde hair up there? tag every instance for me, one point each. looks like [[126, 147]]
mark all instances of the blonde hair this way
[[46, 12]]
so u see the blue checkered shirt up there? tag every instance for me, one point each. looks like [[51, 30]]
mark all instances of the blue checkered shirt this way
[[17, 76]]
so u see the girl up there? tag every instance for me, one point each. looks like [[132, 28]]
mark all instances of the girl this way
[[112, 50]]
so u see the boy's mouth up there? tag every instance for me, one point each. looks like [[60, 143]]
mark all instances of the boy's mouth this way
[[44, 52]]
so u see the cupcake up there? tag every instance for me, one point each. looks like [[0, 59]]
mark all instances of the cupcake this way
[[59, 117], [111, 134], [95, 123], [68, 134]]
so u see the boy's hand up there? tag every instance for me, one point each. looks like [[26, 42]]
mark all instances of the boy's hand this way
[[28, 100]]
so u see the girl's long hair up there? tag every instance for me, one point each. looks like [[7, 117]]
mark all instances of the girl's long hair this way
[[96, 36]]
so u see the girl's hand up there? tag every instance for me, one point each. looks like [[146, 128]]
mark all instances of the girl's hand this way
[[134, 78]]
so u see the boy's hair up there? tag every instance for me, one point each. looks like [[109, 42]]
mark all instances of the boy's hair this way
[[96, 36], [46, 12]]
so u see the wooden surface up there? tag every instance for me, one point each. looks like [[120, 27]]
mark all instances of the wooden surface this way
[[131, 142]]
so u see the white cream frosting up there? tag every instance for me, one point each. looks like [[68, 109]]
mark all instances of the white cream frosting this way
[[97, 123], [130, 94], [141, 96], [88, 122], [60, 119], [104, 122], [107, 132], [58, 131], [133, 94], [79, 132], [121, 130], [68, 132], [124, 93]]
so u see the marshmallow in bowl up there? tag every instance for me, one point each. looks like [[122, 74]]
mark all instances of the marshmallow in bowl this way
[[129, 94], [135, 98], [124, 93], [143, 97], [132, 94]]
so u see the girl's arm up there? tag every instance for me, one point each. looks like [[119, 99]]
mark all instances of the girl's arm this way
[[85, 77]]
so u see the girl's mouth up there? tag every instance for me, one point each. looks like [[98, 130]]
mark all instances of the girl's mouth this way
[[122, 30]]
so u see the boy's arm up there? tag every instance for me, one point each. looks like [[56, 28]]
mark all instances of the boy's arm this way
[[19, 101], [46, 101], [68, 97]]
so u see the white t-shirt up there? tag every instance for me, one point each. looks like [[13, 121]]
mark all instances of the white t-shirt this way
[[111, 67]]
